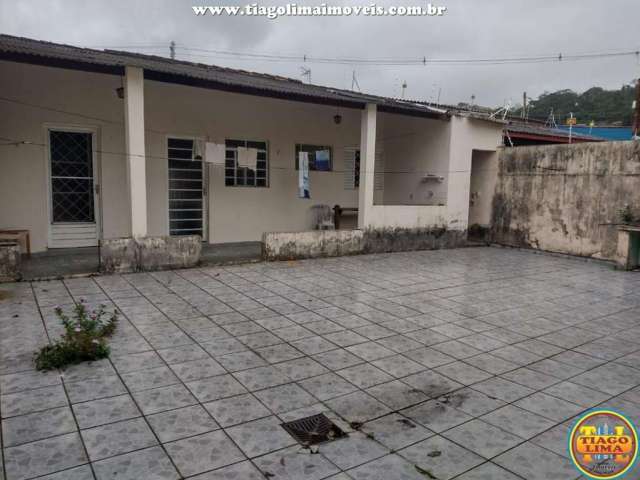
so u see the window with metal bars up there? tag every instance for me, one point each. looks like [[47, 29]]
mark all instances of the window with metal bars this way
[[72, 173], [236, 175], [186, 183]]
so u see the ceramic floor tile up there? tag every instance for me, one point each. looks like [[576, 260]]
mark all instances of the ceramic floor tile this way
[[214, 388], [261, 377], [387, 468], [482, 438], [396, 431], [239, 471], [164, 398], [537, 464], [204, 452], [106, 410], [44, 457], [93, 389], [150, 464], [440, 458], [118, 438], [325, 387], [295, 463], [365, 375], [234, 410], [436, 416], [37, 426], [285, 398], [518, 421], [180, 423], [29, 401], [260, 436], [354, 450], [357, 407]]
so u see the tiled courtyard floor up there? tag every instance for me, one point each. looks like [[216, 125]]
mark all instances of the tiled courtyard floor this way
[[466, 364]]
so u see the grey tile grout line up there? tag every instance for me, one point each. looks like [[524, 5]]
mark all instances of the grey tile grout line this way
[[61, 376], [70, 405], [467, 386], [565, 349], [252, 392], [129, 392], [187, 388]]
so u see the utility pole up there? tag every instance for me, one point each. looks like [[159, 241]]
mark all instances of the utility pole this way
[[524, 106], [172, 50], [404, 87], [636, 116]]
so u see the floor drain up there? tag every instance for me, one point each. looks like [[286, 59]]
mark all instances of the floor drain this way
[[313, 430]]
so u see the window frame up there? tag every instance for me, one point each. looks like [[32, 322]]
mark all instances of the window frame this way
[[195, 141], [235, 168]]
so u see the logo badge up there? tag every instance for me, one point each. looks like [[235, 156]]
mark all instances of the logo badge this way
[[603, 444]]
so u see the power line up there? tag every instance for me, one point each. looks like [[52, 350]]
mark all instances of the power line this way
[[559, 58], [392, 61]]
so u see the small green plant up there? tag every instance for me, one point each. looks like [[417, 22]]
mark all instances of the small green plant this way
[[626, 215], [84, 338]]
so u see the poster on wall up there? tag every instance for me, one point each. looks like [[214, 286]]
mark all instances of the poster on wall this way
[[303, 175], [323, 160]]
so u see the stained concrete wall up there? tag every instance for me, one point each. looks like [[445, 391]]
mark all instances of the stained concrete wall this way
[[333, 243], [484, 176], [565, 198]]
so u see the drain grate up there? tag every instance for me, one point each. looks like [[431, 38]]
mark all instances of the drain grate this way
[[313, 430]]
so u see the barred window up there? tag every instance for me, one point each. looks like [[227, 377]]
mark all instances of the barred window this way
[[248, 175], [320, 158]]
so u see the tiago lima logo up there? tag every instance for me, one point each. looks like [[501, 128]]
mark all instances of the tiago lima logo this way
[[603, 444]]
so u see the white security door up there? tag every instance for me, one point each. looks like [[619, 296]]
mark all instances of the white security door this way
[[73, 191]]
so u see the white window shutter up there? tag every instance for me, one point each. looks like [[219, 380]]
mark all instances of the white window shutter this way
[[378, 182], [349, 168]]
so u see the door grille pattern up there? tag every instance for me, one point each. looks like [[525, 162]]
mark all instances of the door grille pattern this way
[[72, 199], [185, 188]]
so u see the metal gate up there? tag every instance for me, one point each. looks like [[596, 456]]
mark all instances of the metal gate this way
[[186, 188]]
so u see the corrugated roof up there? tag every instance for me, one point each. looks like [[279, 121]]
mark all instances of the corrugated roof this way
[[541, 130], [39, 52]]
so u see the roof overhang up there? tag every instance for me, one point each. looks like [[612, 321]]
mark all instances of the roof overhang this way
[[160, 69]]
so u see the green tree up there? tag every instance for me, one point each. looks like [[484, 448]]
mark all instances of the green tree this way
[[605, 107]]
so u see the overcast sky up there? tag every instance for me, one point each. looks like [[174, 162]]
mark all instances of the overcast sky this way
[[470, 29]]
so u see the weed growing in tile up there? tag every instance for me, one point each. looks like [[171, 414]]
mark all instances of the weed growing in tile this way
[[85, 338]]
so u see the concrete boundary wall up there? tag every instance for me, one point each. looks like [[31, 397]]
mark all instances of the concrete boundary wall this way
[[311, 244], [149, 253], [565, 198], [334, 243]]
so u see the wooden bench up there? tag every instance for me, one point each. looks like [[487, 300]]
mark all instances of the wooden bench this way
[[339, 211], [21, 237]]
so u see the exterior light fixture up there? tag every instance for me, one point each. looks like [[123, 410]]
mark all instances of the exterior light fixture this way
[[120, 92], [337, 118]]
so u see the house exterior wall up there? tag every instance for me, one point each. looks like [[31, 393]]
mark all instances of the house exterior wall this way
[[412, 148], [484, 176], [466, 136], [23, 179], [50, 96], [244, 213]]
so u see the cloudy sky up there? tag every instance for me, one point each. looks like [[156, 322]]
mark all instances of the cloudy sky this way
[[470, 29]]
